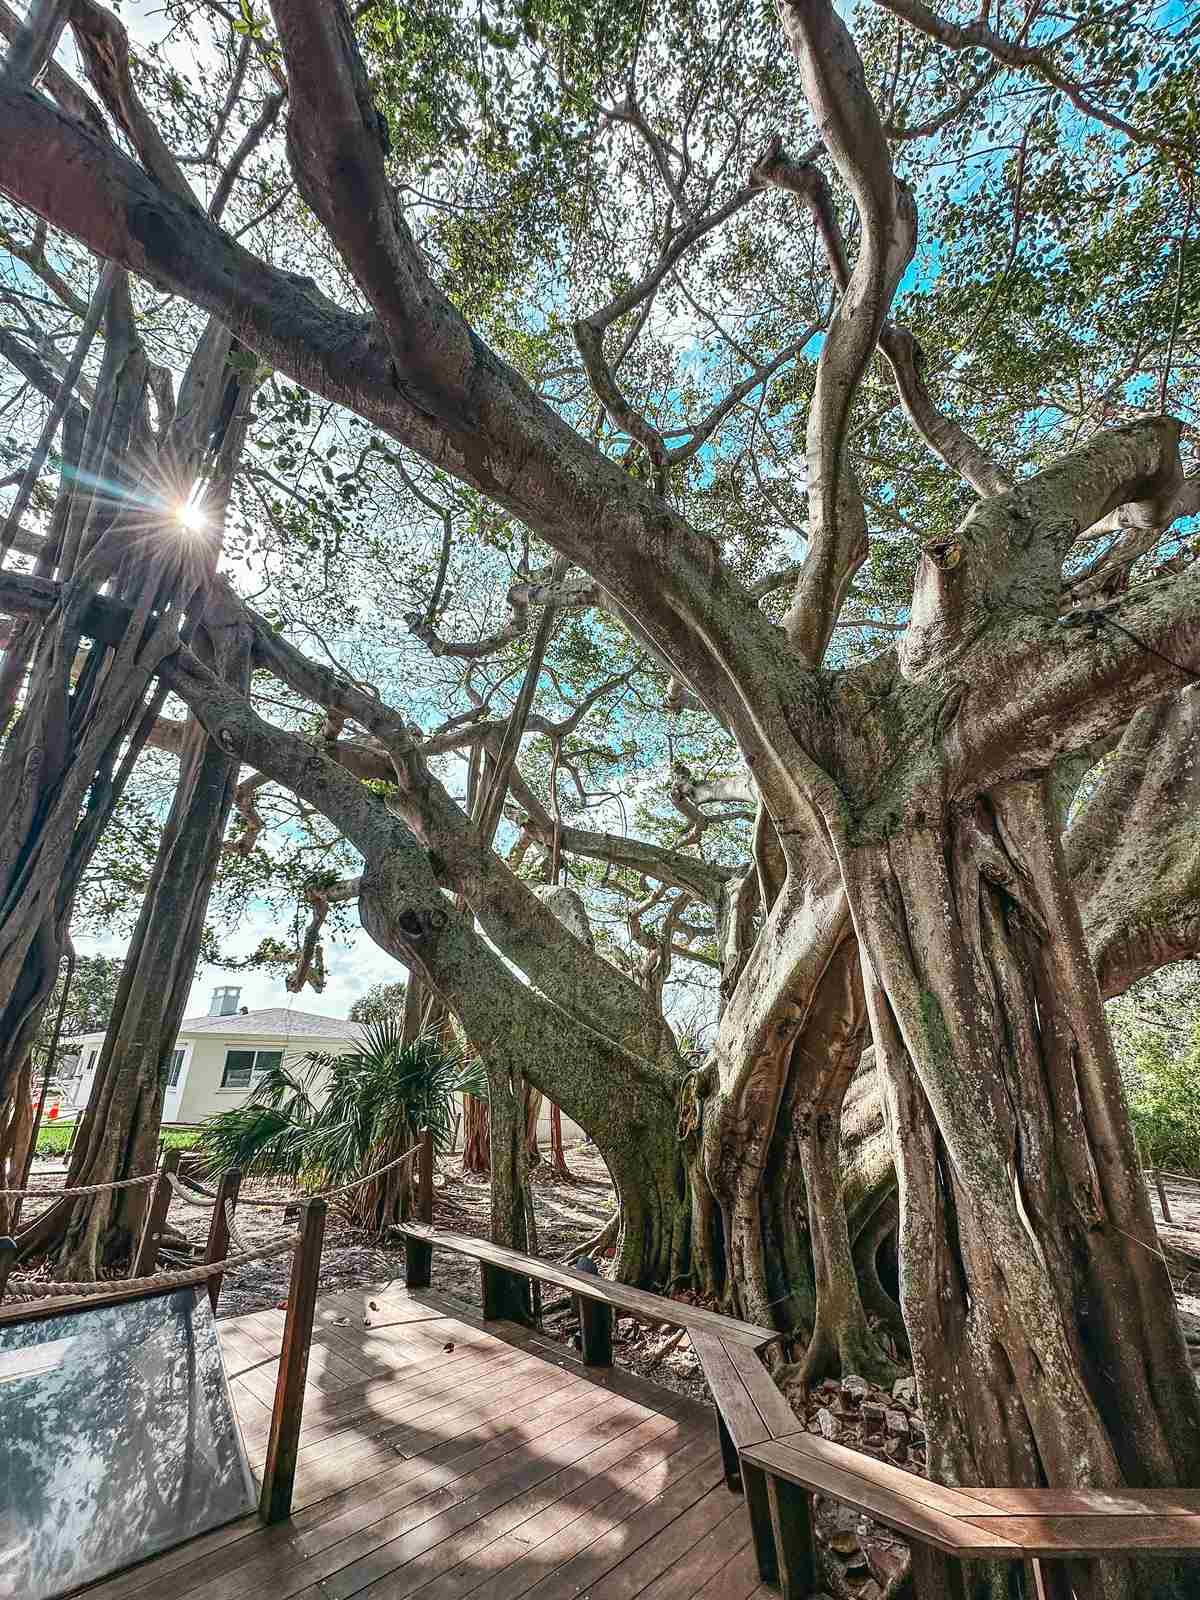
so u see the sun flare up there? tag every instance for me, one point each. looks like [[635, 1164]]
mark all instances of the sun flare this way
[[190, 517]]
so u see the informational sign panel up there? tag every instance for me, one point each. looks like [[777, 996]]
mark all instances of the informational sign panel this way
[[117, 1439]]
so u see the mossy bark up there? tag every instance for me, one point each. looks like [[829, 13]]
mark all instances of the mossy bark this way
[[1030, 1275]]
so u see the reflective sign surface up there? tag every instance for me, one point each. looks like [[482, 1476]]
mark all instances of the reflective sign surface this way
[[117, 1439]]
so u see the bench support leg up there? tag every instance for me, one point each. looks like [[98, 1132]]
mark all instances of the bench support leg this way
[[936, 1576], [1047, 1581], [792, 1525], [754, 1482], [595, 1332], [418, 1263], [505, 1296], [730, 1460]]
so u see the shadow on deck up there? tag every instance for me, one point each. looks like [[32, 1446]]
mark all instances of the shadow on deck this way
[[443, 1457]]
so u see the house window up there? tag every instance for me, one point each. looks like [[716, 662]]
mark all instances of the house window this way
[[242, 1065], [91, 1060], [176, 1067]]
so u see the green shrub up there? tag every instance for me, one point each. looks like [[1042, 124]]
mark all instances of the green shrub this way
[[1164, 1102], [375, 1100]]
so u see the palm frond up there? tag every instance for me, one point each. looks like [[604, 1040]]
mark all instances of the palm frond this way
[[333, 1118]]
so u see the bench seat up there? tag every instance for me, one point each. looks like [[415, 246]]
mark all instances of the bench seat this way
[[618, 1297], [946, 1526]]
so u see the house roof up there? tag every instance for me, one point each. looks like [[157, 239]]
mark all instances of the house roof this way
[[274, 1022]]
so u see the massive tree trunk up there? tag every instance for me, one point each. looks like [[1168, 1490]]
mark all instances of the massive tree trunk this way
[[125, 1109], [85, 716], [773, 1236], [1030, 1272]]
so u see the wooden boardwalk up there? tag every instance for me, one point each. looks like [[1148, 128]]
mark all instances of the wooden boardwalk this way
[[442, 1458]]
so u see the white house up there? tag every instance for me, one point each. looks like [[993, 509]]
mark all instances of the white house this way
[[217, 1057]]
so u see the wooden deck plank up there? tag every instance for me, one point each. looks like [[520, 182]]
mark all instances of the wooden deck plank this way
[[680, 1555], [466, 1452], [330, 1519], [458, 1538], [654, 1455], [512, 1566], [447, 1458], [737, 1580], [616, 1544], [505, 1422], [414, 1515], [490, 1490], [405, 1429], [325, 1415]]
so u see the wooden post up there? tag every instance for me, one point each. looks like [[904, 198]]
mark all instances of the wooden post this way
[[218, 1228], [791, 1523], [754, 1483], [936, 1576], [418, 1253], [595, 1332], [1162, 1195], [156, 1217], [283, 1446], [730, 1460], [76, 1130], [505, 1294], [8, 1255], [425, 1179], [1049, 1581]]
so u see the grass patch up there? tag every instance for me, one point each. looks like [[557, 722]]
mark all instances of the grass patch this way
[[54, 1137]]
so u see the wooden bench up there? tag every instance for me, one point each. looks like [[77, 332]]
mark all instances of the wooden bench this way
[[779, 1466], [506, 1274], [1039, 1528], [750, 1411]]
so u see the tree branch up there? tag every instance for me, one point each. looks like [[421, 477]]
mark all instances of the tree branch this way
[[483, 424], [835, 87], [1035, 58], [1008, 552]]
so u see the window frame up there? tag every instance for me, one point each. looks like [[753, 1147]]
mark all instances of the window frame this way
[[254, 1071]]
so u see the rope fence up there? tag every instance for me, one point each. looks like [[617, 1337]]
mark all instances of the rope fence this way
[[87, 1188], [44, 1289], [185, 1188], [345, 1188]]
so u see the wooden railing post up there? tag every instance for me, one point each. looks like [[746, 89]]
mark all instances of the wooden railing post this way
[[595, 1332], [76, 1130], [156, 1217], [418, 1253], [283, 1446], [218, 1229], [1162, 1195], [8, 1255]]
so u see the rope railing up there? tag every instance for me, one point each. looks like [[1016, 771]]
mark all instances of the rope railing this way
[[44, 1289], [87, 1188], [184, 1192], [235, 1237], [185, 1188], [344, 1188]]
